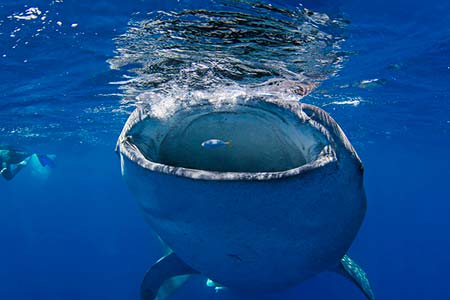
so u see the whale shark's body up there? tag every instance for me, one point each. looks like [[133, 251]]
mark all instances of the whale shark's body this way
[[280, 206]]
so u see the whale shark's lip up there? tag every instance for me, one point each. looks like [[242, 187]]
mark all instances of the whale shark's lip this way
[[130, 151], [328, 155]]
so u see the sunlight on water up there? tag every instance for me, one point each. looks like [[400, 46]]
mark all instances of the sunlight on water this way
[[33, 22]]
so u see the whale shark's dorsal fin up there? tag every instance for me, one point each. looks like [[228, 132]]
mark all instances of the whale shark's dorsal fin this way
[[351, 270], [164, 269]]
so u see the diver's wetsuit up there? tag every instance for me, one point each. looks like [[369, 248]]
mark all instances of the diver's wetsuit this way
[[8, 158]]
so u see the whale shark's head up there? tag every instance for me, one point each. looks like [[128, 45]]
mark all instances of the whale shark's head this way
[[225, 210], [266, 135]]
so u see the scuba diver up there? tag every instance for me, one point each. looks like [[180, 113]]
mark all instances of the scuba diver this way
[[12, 161]]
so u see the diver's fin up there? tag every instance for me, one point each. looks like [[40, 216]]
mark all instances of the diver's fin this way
[[46, 160], [349, 269], [164, 269]]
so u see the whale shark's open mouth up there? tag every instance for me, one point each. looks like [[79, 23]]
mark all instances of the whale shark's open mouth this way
[[263, 138]]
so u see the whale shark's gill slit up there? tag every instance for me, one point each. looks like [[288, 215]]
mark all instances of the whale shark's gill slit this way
[[261, 140]]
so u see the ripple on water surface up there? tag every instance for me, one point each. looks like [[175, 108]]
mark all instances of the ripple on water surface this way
[[231, 48]]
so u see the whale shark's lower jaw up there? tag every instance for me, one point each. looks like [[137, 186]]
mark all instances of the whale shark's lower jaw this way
[[264, 138]]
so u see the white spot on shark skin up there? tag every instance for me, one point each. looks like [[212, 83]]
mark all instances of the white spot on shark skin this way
[[212, 284], [74, 25], [59, 23]]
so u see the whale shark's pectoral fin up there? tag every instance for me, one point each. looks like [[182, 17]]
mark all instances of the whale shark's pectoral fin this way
[[172, 284], [349, 269], [162, 272]]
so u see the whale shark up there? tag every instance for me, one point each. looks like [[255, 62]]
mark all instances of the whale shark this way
[[280, 206]]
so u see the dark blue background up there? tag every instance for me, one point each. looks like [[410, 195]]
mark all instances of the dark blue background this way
[[80, 235]]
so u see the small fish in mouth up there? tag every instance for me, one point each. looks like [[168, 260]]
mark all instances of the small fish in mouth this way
[[216, 143]]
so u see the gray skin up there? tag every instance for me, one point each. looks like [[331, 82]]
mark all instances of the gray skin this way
[[12, 162], [289, 212]]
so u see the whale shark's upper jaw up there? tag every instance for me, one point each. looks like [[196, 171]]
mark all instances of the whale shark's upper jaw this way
[[269, 139]]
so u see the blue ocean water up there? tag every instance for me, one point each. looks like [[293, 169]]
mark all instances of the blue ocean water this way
[[76, 233]]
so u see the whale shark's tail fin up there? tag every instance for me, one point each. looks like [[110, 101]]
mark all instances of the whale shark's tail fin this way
[[351, 270], [47, 160], [168, 267]]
